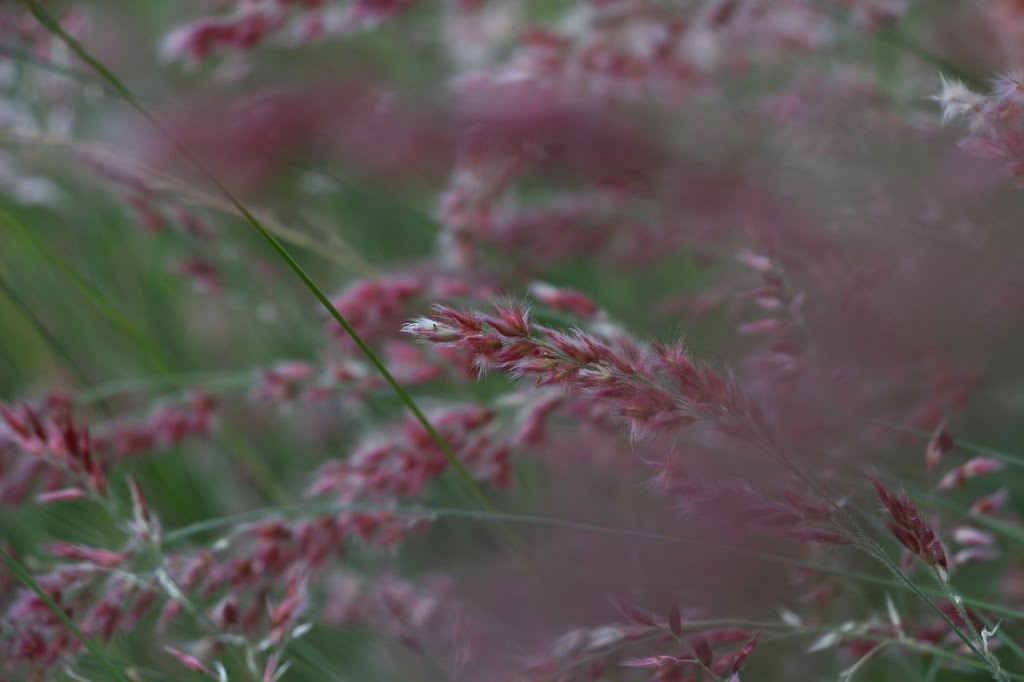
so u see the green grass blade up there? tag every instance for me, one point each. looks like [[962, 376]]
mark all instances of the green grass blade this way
[[51, 341], [95, 296], [24, 56]]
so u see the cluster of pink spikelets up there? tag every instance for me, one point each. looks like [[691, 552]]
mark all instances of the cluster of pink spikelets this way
[[706, 280]]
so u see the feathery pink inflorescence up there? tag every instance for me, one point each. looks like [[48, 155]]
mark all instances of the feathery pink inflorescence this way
[[400, 466], [585, 653], [994, 120], [348, 378], [376, 307], [59, 452], [912, 529], [738, 504], [972, 468], [990, 503], [650, 389], [940, 444], [560, 150], [67, 461], [253, 22]]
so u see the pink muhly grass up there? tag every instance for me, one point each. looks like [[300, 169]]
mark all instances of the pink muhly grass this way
[[910, 527], [62, 443], [993, 119], [655, 392], [188, 660], [652, 390], [403, 464], [977, 466], [828, 330], [990, 503], [67, 461], [939, 445], [249, 24]]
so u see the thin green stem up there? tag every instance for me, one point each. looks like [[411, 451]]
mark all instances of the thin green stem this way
[[95, 296], [25, 56]]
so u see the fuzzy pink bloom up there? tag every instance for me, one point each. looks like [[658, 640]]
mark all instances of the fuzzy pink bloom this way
[[990, 503], [67, 447], [62, 495], [203, 274], [250, 24], [188, 660], [285, 614], [912, 530], [760, 326], [650, 389], [404, 465], [966, 535], [974, 555], [978, 466], [940, 444], [166, 426], [566, 300], [741, 656], [994, 120], [102, 558], [270, 670], [284, 380]]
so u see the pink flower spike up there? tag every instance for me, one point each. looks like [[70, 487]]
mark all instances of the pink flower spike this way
[[512, 321], [769, 324], [187, 660], [965, 535], [675, 621], [990, 503], [975, 555], [293, 370], [431, 330], [958, 101], [1008, 89], [140, 510], [912, 530], [979, 466], [566, 300], [272, 671], [703, 651], [99, 557], [939, 445], [62, 495], [744, 654], [981, 148], [756, 261]]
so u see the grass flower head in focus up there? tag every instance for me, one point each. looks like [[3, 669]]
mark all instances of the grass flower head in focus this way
[[518, 340]]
